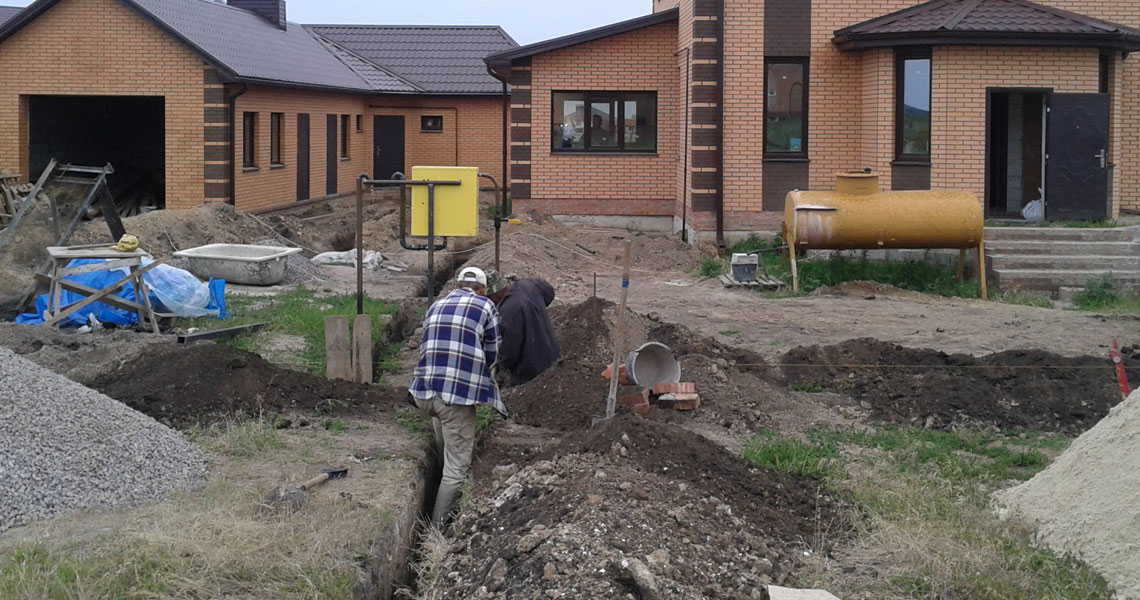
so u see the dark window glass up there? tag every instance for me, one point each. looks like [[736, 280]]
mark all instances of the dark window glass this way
[[785, 107], [276, 123], [913, 99], [344, 145], [359, 123], [604, 121], [431, 123], [1105, 72], [249, 139]]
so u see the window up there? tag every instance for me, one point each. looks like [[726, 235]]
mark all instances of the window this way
[[359, 123], [617, 122], [431, 123], [276, 125], [786, 107], [912, 106], [1105, 73], [344, 136], [249, 140]]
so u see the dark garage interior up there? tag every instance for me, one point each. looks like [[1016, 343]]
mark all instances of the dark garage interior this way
[[126, 131]]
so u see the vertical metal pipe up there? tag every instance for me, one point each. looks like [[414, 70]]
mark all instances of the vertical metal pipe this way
[[687, 132], [431, 243], [360, 245]]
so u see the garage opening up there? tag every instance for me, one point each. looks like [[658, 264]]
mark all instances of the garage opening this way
[[126, 131]]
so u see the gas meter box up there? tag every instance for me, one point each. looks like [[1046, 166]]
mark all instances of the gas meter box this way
[[456, 206]]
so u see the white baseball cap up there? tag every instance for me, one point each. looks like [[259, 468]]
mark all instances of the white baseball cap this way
[[472, 275]]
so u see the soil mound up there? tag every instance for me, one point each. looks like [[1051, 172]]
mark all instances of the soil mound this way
[[636, 507], [206, 383], [1030, 389], [67, 447], [1085, 502]]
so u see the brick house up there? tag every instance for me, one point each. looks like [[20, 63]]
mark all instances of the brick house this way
[[730, 104], [195, 101]]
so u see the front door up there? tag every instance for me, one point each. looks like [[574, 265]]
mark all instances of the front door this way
[[302, 156], [1076, 170], [330, 155], [387, 146]]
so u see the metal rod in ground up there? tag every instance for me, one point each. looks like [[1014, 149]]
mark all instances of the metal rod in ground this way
[[431, 243], [619, 341], [360, 244]]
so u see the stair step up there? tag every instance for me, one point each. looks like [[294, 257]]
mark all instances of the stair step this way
[[1043, 279], [1040, 247], [1071, 234], [1051, 262]]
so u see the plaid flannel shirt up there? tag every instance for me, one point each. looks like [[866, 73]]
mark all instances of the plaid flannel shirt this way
[[460, 343]]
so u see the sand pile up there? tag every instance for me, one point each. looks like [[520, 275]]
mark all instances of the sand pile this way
[[66, 447], [1086, 502]]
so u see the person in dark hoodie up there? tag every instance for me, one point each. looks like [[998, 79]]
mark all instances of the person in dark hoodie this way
[[529, 346]]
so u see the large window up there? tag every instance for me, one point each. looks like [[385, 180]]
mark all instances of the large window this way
[[912, 106], [276, 123], [604, 122], [249, 140], [786, 107], [344, 145]]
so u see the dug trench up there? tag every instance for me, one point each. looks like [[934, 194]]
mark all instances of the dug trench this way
[[666, 506]]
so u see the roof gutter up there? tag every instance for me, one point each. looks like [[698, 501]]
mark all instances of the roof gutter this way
[[1114, 41], [231, 108]]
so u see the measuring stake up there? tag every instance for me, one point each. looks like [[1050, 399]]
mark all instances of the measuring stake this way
[[619, 342]]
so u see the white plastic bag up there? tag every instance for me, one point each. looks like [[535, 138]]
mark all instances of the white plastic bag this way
[[179, 291], [1034, 211], [372, 259]]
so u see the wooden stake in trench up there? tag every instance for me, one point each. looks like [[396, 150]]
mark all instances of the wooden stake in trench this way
[[619, 342]]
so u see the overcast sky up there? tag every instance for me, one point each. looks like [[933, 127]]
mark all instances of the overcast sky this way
[[526, 20]]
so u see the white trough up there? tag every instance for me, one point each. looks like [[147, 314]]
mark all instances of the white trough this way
[[239, 263]]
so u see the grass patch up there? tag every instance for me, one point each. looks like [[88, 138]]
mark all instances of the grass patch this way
[[1104, 294], [730, 332], [924, 518], [413, 421], [335, 425], [302, 313], [246, 439], [711, 267], [1023, 299]]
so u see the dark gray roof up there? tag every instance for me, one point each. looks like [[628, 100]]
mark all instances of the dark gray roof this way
[[1002, 22], [437, 59], [7, 12]]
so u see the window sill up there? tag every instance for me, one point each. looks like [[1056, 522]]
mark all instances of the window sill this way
[[910, 163], [250, 169], [276, 166], [431, 131], [600, 153], [345, 158], [787, 159]]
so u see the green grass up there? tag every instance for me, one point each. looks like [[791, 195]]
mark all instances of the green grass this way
[[923, 514], [246, 439], [811, 388], [1103, 294], [301, 312], [711, 267], [33, 571], [335, 425], [1023, 299], [730, 332]]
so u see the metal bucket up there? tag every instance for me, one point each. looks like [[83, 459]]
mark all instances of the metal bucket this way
[[651, 364]]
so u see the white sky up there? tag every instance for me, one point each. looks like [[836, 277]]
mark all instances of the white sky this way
[[526, 20]]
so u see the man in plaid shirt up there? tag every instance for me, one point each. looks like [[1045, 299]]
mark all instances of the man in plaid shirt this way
[[460, 344]]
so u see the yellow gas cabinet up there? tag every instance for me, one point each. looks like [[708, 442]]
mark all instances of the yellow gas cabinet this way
[[456, 206]]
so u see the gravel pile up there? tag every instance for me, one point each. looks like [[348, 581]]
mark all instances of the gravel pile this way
[[66, 447]]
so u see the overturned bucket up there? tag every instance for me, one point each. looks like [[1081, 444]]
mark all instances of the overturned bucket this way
[[651, 364]]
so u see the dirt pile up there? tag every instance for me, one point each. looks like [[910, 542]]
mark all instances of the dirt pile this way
[[183, 386], [635, 508], [80, 357], [1016, 389], [1085, 502]]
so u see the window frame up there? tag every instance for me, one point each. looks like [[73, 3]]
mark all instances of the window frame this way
[[591, 96], [805, 62], [901, 56], [423, 124], [276, 135], [359, 123], [345, 145], [249, 124]]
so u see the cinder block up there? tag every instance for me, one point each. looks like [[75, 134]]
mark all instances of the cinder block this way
[[675, 388]]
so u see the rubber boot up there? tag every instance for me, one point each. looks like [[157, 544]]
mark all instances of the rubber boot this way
[[444, 503]]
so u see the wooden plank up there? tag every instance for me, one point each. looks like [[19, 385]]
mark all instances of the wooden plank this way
[[362, 349], [72, 308], [338, 349]]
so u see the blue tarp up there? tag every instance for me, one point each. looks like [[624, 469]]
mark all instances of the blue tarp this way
[[164, 282]]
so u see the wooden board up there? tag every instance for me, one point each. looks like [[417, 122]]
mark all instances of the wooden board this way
[[338, 349], [762, 281], [362, 349]]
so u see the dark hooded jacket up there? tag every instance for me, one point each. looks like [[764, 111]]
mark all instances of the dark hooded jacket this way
[[529, 346]]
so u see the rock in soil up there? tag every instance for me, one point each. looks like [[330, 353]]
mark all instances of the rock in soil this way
[[67, 447], [673, 516], [1017, 389], [184, 386]]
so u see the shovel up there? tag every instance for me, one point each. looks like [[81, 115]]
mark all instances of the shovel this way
[[294, 498]]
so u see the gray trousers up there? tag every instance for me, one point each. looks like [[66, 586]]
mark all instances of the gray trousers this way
[[454, 428]]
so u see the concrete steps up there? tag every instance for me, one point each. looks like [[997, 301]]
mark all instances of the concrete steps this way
[[1049, 261]]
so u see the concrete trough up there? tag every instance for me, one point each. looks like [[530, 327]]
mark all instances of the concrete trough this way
[[239, 263]]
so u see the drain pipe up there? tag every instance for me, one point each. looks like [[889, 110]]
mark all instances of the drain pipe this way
[[685, 157], [231, 108]]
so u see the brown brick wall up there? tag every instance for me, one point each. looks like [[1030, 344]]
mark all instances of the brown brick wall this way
[[641, 60], [101, 47]]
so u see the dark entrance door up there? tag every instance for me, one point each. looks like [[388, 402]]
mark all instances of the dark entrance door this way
[[302, 157], [330, 156], [1076, 173], [387, 146]]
